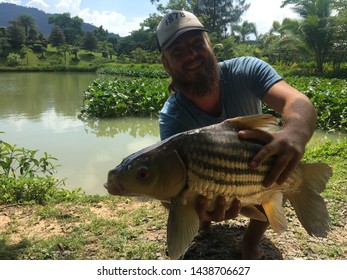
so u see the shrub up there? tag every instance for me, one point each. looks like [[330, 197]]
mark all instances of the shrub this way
[[13, 59], [125, 97], [26, 178]]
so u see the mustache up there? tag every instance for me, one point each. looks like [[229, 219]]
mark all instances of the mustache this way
[[198, 58]]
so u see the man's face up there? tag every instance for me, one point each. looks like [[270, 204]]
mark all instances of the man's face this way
[[191, 63]]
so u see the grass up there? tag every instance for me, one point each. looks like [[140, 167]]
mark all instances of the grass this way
[[111, 227], [104, 228], [88, 61]]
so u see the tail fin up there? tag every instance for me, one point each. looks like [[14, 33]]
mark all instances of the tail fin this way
[[308, 203]]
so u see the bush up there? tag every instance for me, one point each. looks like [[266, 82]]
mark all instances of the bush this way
[[119, 98], [13, 59], [26, 178]]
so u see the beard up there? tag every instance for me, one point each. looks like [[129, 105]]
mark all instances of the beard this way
[[206, 79]]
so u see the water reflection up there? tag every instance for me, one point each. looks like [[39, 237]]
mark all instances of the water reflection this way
[[32, 94], [135, 127]]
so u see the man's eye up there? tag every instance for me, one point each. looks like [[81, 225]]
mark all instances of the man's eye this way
[[198, 44], [176, 51]]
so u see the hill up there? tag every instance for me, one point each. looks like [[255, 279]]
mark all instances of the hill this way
[[11, 12]]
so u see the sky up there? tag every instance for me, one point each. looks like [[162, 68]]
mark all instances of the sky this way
[[123, 16]]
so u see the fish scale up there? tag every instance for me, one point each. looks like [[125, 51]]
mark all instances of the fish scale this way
[[219, 166]]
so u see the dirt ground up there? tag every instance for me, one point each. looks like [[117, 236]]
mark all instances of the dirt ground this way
[[222, 243]]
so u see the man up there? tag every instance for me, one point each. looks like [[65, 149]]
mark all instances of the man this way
[[208, 92]]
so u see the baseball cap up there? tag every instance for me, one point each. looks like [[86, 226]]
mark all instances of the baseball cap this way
[[174, 25]]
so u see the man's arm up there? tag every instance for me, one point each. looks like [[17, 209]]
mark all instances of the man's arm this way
[[287, 144]]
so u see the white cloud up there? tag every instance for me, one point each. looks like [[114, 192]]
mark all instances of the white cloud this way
[[17, 2], [39, 4], [263, 13], [73, 6], [111, 21]]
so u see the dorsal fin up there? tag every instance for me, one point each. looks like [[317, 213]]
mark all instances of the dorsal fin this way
[[261, 121]]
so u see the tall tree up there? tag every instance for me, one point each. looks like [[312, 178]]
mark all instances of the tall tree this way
[[90, 41], [246, 28], [29, 24], [216, 15], [16, 35], [72, 27], [57, 36], [313, 29]]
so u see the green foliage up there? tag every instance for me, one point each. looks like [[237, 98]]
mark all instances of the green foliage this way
[[26, 178], [117, 98], [334, 154], [13, 59], [329, 96]]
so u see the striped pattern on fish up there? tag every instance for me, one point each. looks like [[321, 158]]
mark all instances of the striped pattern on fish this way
[[213, 161]]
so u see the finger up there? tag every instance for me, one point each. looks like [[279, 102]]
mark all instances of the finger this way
[[262, 155], [234, 210], [200, 204], [287, 171], [218, 212], [277, 169], [262, 137]]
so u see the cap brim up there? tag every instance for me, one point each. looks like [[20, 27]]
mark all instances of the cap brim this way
[[180, 33]]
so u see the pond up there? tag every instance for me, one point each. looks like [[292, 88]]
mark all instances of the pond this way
[[39, 111]]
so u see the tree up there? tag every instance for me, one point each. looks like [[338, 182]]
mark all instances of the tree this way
[[106, 48], [13, 59], [246, 28], [24, 51], [29, 24], [16, 35], [338, 25], [64, 49], [313, 29], [219, 16], [216, 15], [89, 41], [57, 36], [4, 46], [72, 27], [101, 34]]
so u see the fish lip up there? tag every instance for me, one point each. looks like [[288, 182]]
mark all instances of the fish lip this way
[[115, 189]]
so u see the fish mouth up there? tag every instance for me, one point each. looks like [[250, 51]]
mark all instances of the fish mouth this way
[[114, 188]]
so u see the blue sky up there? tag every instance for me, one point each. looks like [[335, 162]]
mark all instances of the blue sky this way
[[123, 16]]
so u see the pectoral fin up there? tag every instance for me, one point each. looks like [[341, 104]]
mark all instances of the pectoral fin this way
[[183, 225], [275, 213]]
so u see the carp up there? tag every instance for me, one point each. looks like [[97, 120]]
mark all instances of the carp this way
[[213, 161]]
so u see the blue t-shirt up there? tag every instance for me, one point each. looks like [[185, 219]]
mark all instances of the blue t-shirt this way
[[244, 81]]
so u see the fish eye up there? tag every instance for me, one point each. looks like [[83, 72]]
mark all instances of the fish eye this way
[[143, 173]]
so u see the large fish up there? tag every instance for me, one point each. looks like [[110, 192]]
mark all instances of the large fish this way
[[213, 161]]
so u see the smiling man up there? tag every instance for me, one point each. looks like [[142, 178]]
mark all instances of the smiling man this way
[[206, 92]]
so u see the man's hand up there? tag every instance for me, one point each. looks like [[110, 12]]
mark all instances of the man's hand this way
[[285, 145], [219, 213]]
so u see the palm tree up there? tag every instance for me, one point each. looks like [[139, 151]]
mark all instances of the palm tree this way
[[246, 28], [28, 22], [25, 51], [313, 29]]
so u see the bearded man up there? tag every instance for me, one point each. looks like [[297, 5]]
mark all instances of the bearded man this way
[[207, 92]]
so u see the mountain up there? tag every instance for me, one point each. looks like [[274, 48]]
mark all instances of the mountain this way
[[11, 12]]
